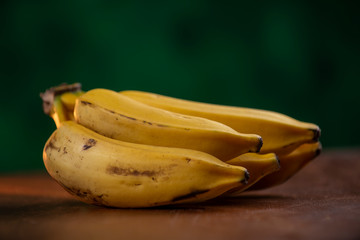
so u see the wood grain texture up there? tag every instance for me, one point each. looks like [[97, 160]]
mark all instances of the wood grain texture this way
[[320, 202]]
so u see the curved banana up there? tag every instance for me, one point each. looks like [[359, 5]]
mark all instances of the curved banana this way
[[103, 171], [290, 165], [281, 134], [258, 166], [117, 116]]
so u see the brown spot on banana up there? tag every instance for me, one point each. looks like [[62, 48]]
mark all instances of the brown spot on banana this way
[[86, 195], [85, 103], [163, 125], [90, 143], [122, 115], [132, 172], [50, 145], [147, 122]]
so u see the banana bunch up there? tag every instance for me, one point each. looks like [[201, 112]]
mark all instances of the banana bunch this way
[[137, 149]]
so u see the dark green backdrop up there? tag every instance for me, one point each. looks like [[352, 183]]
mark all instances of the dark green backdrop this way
[[299, 58]]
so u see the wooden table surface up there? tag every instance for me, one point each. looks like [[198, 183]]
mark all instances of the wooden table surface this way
[[320, 202]]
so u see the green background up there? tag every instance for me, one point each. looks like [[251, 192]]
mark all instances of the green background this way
[[299, 58]]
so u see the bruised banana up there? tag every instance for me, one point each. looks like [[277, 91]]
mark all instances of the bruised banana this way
[[281, 134], [119, 117], [290, 165], [258, 166], [103, 171]]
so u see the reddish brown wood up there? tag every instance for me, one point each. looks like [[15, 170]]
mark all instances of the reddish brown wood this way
[[320, 202]]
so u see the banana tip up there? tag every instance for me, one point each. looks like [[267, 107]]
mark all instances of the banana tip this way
[[318, 150], [260, 144], [317, 133], [246, 178], [278, 161]]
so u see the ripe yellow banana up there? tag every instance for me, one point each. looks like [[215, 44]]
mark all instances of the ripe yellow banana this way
[[290, 165], [117, 116], [104, 171], [281, 134], [258, 166]]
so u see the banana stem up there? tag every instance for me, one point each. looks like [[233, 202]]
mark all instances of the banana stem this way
[[52, 105]]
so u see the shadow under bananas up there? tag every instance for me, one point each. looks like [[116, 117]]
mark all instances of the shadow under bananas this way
[[249, 201], [12, 206]]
